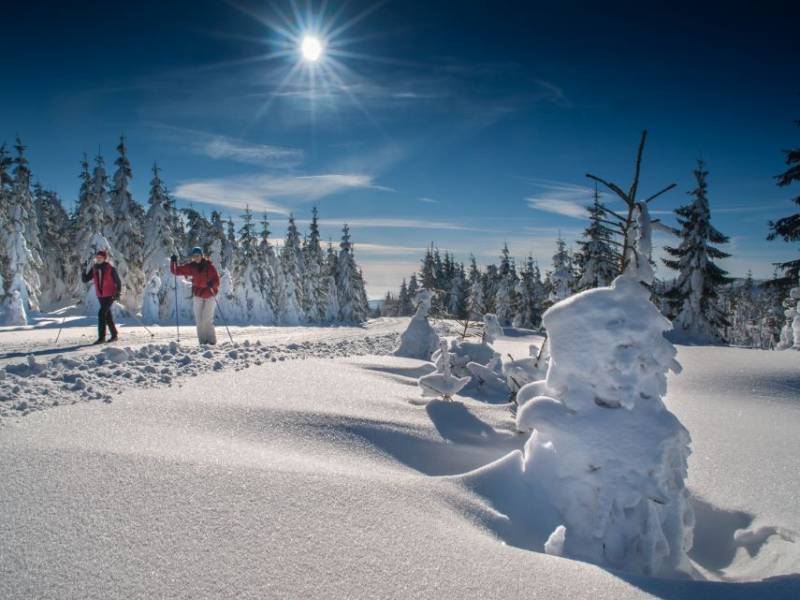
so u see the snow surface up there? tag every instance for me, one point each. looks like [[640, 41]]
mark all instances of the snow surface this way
[[332, 478]]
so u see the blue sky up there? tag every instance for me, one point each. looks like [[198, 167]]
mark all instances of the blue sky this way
[[465, 123]]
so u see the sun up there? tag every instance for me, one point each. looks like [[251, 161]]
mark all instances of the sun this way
[[311, 48]]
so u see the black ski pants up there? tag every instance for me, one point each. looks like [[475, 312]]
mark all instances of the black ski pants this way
[[105, 319]]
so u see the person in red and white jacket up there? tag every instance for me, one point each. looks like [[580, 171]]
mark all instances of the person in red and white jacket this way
[[107, 287], [205, 285]]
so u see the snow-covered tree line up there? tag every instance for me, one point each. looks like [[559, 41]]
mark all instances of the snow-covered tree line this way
[[701, 299], [43, 249], [517, 296]]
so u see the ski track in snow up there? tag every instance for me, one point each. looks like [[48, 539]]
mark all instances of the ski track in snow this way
[[32, 385]]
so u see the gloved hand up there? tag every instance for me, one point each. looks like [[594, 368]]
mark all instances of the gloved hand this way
[[174, 258], [211, 285]]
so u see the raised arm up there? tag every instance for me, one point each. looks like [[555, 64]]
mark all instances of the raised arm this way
[[87, 276], [177, 269]]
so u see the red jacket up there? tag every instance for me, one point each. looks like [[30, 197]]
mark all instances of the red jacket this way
[[106, 280], [202, 273]]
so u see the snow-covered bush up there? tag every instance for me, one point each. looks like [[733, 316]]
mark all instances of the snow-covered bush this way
[[442, 383], [790, 334], [621, 456], [522, 371], [491, 328], [15, 310], [419, 340], [463, 352], [610, 454], [489, 379], [150, 302]]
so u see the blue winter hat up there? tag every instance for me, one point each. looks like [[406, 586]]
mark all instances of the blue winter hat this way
[[197, 250]]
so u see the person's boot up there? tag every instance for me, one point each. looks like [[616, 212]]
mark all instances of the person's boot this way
[[114, 336], [99, 341]]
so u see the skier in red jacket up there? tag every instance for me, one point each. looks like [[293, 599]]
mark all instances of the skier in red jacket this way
[[108, 288], [205, 285]]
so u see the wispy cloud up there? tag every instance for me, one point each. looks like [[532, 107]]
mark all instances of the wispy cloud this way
[[260, 192], [394, 223], [366, 248], [227, 194], [257, 154], [221, 147], [427, 200], [567, 208], [564, 199]]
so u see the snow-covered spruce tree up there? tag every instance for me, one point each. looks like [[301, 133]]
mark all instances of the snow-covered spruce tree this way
[[739, 303], [87, 220], [266, 260], [177, 224], [597, 260], [54, 236], [405, 305], [693, 297], [127, 232], [198, 230], [505, 297], [23, 286], [249, 273], [101, 194], [790, 334], [292, 267], [623, 505], [5, 218], [25, 265], [314, 297], [788, 228], [229, 245], [475, 299], [158, 244], [217, 241], [458, 294], [529, 308], [562, 278], [329, 270], [353, 307]]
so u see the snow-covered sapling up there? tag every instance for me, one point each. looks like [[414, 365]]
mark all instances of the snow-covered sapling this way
[[419, 340], [442, 383]]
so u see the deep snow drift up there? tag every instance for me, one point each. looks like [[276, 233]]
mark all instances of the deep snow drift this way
[[333, 478]]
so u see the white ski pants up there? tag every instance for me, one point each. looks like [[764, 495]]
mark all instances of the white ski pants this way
[[204, 318]]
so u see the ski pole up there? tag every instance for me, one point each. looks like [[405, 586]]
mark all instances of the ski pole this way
[[60, 327], [221, 314], [177, 317], [135, 316]]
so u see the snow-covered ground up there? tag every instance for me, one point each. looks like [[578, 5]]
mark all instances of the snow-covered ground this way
[[322, 478]]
